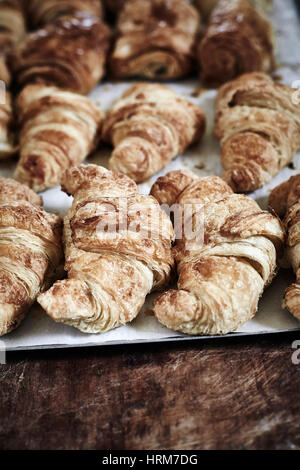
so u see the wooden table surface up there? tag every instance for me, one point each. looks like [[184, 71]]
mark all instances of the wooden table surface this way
[[241, 393]]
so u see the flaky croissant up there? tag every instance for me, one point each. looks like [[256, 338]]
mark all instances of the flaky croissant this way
[[285, 201], [258, 125], [41, 12], [148, 126], [7, 135], [110, 272], [12, 30], [237, 40], [58, 130], [30, 251], [155, 40], [225, 256], [68, 53]]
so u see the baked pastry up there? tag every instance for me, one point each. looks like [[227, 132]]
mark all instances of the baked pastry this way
[[8, 145], [41, 12], [58, 130], [285, 201], [5, 75], [30, 251], [155, 39], [258, 125], [238, 39], [206, 6], [12, 30], [225, 256], [112, 258], [148, 126], [69, 53]]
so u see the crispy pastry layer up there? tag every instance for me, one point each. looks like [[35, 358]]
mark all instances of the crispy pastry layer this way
[[7, 135], [285, 201], [12, 30], [69, 53], [41, 12], [110, 272], [30, 251], [258, 125], [148, 126], [155, 39], [238, 40], [206, 6], [223, 273], [58, 130]]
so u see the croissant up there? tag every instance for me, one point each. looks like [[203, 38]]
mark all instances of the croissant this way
[[226, 256], [42, 12], [285, 201], [7, 136], [68, 53], [12, 30], [117, 247], [155, 40], [148, 126], [258, 125], [58, 130], [237, 40], [30, 251]]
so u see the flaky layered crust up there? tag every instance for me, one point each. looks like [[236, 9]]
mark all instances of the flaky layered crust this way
[[7, 136], [206, 6], [69, 53], [238, 40], [41, 12], [285, 201], [30, 251], [258, 125], [155, 39], [12, 31], [110, 272], [148, 126], [223, 273], [58, 130]]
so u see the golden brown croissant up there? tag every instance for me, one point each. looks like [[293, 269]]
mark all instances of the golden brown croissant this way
[[285, 201], [238, 40], [7, 135], [110, 272], [58, 130], [12, 30], [258, 125], [225, 256], [148, 126], [30, 251], [41, 12], [156, 39], [69, 53]]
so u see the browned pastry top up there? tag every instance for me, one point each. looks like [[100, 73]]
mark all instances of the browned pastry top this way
[[238, 40], [41, 12], [69, 53]]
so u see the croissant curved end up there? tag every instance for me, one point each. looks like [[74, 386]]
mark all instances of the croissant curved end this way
[[67, 301]]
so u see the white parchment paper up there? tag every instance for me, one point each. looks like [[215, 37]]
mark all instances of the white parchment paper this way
[[39, 331]]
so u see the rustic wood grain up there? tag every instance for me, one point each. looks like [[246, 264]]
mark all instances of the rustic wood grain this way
[[221, 394]]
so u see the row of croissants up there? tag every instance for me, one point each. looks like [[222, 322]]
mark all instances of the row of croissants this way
[[110, 273], [67, 43], [257, 122]]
